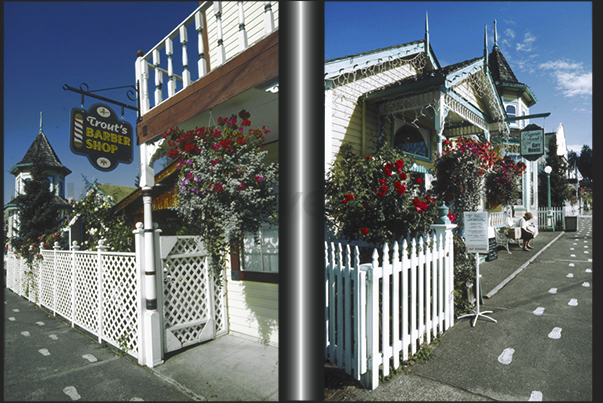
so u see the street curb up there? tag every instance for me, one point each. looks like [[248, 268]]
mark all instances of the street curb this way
[[523, 266]]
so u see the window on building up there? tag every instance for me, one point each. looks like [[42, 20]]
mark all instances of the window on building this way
[[50, 180], [409, 139], [61, 186], [263, 256], [511, 111]]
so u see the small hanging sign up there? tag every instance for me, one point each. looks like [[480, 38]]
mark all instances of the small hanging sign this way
[[99, 134], [532, 142]]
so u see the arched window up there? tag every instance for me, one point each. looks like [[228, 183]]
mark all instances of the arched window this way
[[510, 111], [409, 140]]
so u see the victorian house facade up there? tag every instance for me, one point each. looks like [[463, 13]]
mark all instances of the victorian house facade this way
[[403, 96], [233, 53]]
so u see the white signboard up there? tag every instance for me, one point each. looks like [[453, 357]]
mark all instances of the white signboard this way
[[476, 231], [532, 143]]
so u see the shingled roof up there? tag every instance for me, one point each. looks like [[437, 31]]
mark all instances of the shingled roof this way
[[41, 147], [502, 74], [500, 69]]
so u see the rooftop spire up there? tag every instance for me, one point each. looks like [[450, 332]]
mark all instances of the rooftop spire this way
[[485, 44], [40, 122], [426, 33], [495, 36]]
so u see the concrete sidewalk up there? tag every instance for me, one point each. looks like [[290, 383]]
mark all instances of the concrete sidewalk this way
[[46, 359], [514, 359]]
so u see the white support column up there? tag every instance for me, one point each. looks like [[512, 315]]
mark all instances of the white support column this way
[[218, 15], [439, 120], [152, 322], [242, 31], [268, 18], [169, 51], [201, 64], [158, 77], [186, 75], [142, 78], [151, 326]]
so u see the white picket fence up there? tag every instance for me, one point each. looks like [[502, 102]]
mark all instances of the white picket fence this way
[[380, 312], [559, 214], [98, 291]]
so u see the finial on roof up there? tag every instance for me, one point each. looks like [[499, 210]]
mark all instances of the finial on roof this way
[[485, 44], [40, 122], [426, 33], [495, 36]]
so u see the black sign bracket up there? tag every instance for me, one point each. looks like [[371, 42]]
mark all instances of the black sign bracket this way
[[84, 91]]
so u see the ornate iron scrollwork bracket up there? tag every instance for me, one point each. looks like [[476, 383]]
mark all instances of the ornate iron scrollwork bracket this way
[[84, 91]]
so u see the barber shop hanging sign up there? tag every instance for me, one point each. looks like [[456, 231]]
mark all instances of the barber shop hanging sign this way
[[99, 134]]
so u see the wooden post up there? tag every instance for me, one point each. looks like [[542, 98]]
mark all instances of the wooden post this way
[[74, 249], [186, 75], [99, 250]]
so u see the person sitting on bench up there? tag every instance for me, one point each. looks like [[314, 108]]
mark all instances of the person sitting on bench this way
[[528, 231]]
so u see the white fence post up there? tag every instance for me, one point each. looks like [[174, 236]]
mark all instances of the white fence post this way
[[100, 249], [443, 229], [74, 249], [141, 295], [56, 247]]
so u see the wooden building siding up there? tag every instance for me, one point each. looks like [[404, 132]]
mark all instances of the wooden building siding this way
[[467, 91], [346, 113], [253, 309], [254, 25]]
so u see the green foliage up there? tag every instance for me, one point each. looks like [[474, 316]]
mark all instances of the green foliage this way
[[100, 223], [460, 171], [464, 272], [225, 186], [38, 214], [375, 198], [585, 162], [502, 181], [560, 190]]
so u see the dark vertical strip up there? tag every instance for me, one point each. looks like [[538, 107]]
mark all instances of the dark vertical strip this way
[[301, 255]]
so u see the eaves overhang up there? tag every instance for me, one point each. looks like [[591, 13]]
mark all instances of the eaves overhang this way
[[349, 64], [409, 86]]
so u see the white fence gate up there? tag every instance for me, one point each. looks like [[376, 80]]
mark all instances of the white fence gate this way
[[377, 311], [193, 302], [98, 291]]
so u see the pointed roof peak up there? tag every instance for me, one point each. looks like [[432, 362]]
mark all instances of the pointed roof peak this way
[[41, 146]]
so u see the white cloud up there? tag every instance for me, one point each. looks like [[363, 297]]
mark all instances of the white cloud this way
[[572, 78], [526, 45]]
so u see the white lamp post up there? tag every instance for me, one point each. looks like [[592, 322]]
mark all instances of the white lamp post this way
[[549, 213]]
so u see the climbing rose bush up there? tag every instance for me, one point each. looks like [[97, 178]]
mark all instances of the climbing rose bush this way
[[375, 198], [225, 185], [502, 181], [460, 171]]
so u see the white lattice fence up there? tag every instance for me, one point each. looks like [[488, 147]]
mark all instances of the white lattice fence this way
[[98, 291], [193, 303]]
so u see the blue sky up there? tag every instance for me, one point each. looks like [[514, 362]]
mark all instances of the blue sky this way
[[49, 44], [547, 44]]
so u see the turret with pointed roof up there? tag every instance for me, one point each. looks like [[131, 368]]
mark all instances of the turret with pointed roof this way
[[53, 168], [503, 75]]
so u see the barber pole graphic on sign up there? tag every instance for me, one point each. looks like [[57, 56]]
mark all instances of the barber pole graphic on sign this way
[[100, 135]]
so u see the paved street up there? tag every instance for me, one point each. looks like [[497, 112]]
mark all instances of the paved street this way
[[539, 349], [45, 359]]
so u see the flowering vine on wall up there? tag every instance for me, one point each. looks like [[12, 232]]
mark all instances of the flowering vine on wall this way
[[225, 186]]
